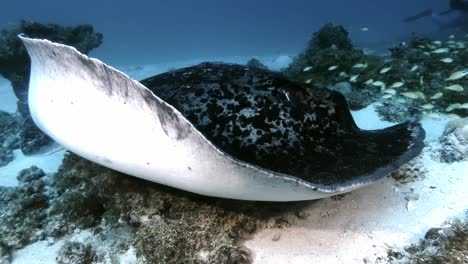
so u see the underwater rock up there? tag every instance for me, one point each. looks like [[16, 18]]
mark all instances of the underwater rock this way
[[15, 65], [23, 210], [393, 111], [31, 138], [5, 254], [76, 252], [330, 35], [357, 99], [9, 129], [454, 141], [256, 64], [447, 244], [330, 59], [14, 60]]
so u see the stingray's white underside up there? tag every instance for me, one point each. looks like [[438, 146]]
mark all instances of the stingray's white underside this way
[[104, 116]]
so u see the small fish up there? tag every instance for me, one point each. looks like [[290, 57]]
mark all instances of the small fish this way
[[452, 107], [308, 80], [464, 106], [386, 69], [400, 100], [454, 116], [360, 65], [332, 68], [433, 115], [421, 46], [451, 36], [308, 68], [437, 42], [450, 42], [457, 75], [379, 83], [440, 50], [390, 91], [369, 81], [415, 67], [386, 96], [354, 78], [377, 104], [411, 95], [431, 46], [426, 53], [455, 88], [460, 45], [447, 60], [427, 106], [397, 84], [364, 29], [414, 95], [437, 95], [343, 74]]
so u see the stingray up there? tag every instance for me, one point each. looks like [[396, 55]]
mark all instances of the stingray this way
[[215, 129]]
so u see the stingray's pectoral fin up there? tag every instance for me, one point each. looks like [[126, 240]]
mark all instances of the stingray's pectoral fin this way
[[376, 153]]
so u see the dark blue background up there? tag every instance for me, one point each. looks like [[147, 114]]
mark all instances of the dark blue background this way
[[157, 31]]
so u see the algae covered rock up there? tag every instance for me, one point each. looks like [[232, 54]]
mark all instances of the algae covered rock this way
[[454, 141], [330, 59], [9, 128], [23, 210], [75, 252]]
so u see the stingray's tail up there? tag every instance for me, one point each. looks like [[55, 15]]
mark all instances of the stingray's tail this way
[[425, 13]]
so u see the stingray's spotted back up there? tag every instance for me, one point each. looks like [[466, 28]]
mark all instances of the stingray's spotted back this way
[[263, 118]]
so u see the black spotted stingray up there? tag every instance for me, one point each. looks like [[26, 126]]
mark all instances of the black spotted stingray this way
[[216, 129]]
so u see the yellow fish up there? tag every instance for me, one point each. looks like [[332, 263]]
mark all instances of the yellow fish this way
[[437, 95], [447, 60], [389, 91], [379, 83], [455, 88], [453, 107], [440, 50], [427, 106], [360, 65], [415, 67], [386, 69], [397, 84], [354, 78], [457, 75]]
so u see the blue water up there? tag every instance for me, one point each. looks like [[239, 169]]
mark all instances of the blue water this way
[[141, 31]]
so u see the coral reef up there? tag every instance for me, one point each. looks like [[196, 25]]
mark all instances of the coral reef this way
[[454, 141], [9, 139], [427, 78], [14, 66], [424, 77], [330, 58], [75, 252], [164, 225], [254, 63], [448, 244]]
